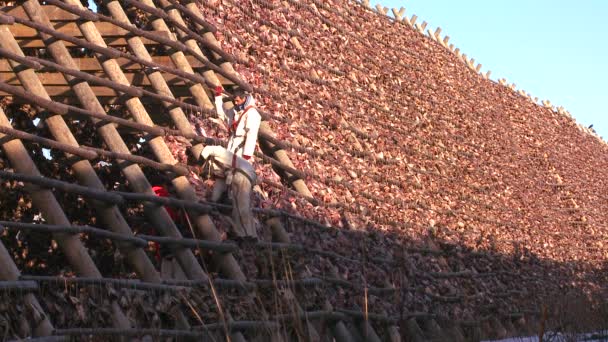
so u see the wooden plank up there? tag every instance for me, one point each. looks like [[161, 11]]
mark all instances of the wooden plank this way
[[91, 64], [135, 78], [104, 100], [56, 78], [21, 31], [66, 91], [54, 13], [111, 41]]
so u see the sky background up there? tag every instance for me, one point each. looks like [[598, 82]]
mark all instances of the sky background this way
[[554, 50]]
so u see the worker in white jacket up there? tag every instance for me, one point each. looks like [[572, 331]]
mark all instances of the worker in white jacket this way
[[243, 122]]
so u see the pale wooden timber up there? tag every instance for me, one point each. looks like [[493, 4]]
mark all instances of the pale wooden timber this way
[[204, 225], [83, 170], [111, 41], [54, 13], [92, 64], [110, 135], [45, 201], [21, 31]]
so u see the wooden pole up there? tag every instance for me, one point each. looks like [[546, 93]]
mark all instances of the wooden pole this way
[[265, 129], [205, 228], [90, 153], [48, 205], [8, 271], [133, 172], [281, 155], [83, 169]]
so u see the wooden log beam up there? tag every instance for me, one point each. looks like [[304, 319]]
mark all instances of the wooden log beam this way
[[110, 196], [161, 86], [136, 78], [113, 197], [91, 153], [198, 92], [33, 43], [54, 13], [109, 134], [160, 38], [339, 331], [38, 179], [194, 14], [72, 229], [53, 338], [53, 37], [189, 35], [40, 323], [91, 64], [45, 201], [62, 109], [118, 283], [281, 156], [108, 30], [234, 325], [118, 84], [18, 285], [77, 151], [66, 93], [220, 247], [83, 170], [205, 227]]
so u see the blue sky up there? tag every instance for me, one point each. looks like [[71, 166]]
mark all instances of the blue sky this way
[[554, 50]]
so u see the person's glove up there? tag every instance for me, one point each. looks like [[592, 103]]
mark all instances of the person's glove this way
[[219, 90]]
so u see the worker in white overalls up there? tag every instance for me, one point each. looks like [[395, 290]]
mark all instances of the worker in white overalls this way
[[234, 163]]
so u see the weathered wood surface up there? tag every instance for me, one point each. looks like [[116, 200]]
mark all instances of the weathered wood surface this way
[[21, 31], [111, 41], [65, 92], [92, 64], [55, 14]]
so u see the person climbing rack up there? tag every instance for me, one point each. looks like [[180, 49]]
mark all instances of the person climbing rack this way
[[233, 165]]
